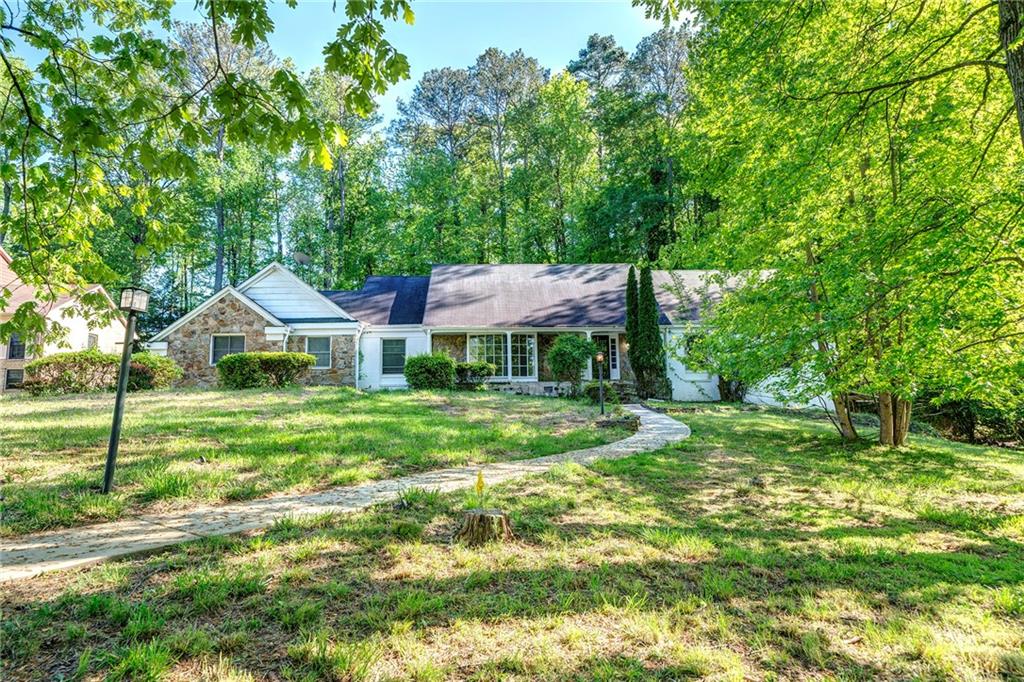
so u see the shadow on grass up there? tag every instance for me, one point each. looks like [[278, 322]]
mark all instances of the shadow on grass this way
[[677, 540]]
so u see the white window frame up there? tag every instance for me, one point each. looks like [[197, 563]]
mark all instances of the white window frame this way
[[330, 351], [212, 336], [92, 341], [508, 368], [534, 360], [507, 377], [405, 355]]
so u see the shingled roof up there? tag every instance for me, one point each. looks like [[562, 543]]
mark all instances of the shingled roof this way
[[521, 296], [385, 300], [553, 295]]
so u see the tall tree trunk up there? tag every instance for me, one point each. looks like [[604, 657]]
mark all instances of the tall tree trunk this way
[[502, 201], [342, 180], [277, 222], [218, 270], [847, 431], [1011, 18], [885, 419], [894, 419], [846, 428]]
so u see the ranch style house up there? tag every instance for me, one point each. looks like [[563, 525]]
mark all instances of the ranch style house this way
[[508, 315]]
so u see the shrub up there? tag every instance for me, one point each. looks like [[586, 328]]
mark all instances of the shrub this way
[[434, 370], [75, 372], [568, 359], [152, 371], [472, 375], [255, 370], [241, 370], [283, 369], [592, 392]]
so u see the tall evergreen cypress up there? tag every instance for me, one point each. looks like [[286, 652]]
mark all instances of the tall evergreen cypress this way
[[649, 359], [632, 309]]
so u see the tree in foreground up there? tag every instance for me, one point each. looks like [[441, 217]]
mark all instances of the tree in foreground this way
[[124, 97], [877, 231]]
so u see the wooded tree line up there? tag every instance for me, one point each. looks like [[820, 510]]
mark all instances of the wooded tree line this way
[[500, 161], [869, 155]]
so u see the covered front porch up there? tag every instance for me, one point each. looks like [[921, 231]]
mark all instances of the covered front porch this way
[[520, 354]]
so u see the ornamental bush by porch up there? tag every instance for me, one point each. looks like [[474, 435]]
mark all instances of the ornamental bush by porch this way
[[430, 371], [255, 370], [568, 359], [473, 375]]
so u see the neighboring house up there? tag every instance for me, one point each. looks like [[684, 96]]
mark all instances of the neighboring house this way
[[505, 314], [80, 334]]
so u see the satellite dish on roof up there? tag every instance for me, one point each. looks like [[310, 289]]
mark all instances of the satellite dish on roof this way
[[301, 258]]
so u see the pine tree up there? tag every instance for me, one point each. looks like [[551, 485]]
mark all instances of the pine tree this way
[[648, 360], [632, 309]]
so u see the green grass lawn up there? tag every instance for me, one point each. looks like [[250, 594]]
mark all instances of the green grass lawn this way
[[761, 548], [183, 447]]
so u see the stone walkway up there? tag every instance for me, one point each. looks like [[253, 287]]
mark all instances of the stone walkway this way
[[31, 555]]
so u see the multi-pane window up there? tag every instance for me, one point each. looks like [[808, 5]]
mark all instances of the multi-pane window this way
[[392, 356], [93, 341], [320, 348], [490, 348], [524, 347], [16, 348], [14, 378], [226, 345]]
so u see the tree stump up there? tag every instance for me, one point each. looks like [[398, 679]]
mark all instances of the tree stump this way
[[480, 526]]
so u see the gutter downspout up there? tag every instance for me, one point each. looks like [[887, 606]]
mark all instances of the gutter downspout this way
[[359, 334]]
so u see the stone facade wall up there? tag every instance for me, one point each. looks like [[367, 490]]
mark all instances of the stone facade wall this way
[[343, 361], [625, 369], [189, 345], [452, 344]]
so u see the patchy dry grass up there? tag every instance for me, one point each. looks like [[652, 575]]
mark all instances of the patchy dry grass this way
[[759, 549], [217, 446]]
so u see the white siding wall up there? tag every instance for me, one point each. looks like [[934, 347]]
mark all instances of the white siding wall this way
[[693, 386], [370, 377], [687, 384], [110, 337], [283, 297]]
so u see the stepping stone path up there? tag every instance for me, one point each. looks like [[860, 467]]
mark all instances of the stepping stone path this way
[[30, 555]]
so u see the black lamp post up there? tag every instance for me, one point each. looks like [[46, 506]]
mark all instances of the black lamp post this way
[[600, 379], [133, 301]]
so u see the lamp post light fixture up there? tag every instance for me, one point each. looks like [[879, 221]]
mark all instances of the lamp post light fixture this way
[[600, 379], [133, 301]]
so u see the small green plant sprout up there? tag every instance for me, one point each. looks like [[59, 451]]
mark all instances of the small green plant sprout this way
[[480, 488]]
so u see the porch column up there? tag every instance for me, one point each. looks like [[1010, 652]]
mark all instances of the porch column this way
[[590, 363]]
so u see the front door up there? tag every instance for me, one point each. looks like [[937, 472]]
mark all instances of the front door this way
[[609, 345]]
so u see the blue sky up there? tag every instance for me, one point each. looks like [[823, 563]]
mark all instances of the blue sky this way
[[453, 33]]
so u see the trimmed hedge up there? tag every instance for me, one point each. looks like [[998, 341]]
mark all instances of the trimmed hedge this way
[[92, 370], [472, 375], [255, 370], [152, 371], [430, 371]]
